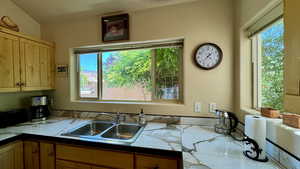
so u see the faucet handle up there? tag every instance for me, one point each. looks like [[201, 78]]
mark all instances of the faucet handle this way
[[142, 118]]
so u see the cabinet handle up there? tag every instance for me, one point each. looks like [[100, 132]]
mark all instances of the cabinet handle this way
[[156, 167]]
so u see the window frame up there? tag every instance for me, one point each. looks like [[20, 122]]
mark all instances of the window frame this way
[[154, 99], [256, 59]]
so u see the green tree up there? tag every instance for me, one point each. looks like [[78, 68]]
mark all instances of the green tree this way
[[272, 66], [128, 68], [131, 67]]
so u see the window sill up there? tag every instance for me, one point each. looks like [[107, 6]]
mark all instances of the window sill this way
[[128, 103], [250, 111]]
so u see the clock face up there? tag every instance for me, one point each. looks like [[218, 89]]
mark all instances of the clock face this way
[[208, 56]]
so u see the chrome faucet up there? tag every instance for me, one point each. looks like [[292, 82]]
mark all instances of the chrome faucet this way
[[119, 116], [142, 119]]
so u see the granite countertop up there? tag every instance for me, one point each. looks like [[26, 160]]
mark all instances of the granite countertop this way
[[201, 147]]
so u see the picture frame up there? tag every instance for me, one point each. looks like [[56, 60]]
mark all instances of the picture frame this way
[[115, 28]]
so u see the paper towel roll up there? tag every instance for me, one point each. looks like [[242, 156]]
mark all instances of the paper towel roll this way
[[255, 128]]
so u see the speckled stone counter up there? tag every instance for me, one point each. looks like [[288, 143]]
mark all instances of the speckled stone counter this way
[[195, 138]]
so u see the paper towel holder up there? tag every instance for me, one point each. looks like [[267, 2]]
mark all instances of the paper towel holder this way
[[255, 149]]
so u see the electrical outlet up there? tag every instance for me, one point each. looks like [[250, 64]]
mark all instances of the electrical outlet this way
[[212, 107], [197, 107]]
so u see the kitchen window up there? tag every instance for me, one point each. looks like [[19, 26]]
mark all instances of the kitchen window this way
[[131, 72], [268, 66]]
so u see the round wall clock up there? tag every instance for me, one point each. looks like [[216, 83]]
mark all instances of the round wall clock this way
[[208, 56]]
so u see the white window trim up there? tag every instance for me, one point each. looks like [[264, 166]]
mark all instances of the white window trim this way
[[256, 71], [99, 99]]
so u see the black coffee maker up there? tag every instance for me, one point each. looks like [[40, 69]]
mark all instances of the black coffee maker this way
[[39, 108]]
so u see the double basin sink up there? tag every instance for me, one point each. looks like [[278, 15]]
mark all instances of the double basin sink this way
[[107, 131]]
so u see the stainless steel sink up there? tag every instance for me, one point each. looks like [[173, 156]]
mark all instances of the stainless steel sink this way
[[122, 132], [90, 129], [107, 131]]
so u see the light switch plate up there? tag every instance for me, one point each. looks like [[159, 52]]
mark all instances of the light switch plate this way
[[212, 107], [197, 107]]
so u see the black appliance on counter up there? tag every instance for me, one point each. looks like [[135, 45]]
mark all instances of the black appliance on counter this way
[[39, 108], [13, 117]]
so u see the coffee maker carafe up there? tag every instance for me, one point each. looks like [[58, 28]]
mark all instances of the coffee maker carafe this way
[[227, 122], [39, 108]]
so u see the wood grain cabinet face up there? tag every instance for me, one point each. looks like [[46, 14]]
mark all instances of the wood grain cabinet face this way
[[154, 162], [37, 66], [11, 156], [47, 156], [60, 164], [9, 63], [96, 157], [25, 64], [31, 155]]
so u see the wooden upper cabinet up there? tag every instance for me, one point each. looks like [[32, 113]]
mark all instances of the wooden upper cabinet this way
[[9, 63], [27, 64], [37, 66], [11, 156]]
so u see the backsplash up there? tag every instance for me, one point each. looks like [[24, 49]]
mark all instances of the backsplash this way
[[134, 117], [18, 100]]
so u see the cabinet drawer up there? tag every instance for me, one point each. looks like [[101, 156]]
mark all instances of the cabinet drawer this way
[[60, 164], [106, 158], [155, 162]]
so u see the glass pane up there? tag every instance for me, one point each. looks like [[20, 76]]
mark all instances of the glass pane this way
[[88, 75], [272, 66], [127, 75], [167, 69]]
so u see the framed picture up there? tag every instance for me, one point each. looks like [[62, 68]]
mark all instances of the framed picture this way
[[115, 28]]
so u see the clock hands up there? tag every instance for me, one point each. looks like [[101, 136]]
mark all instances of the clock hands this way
[[208, 55]]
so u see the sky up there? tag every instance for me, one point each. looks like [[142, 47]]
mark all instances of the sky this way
[[88, 62]]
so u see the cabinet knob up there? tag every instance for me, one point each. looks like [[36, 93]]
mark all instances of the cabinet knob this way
[[18, 84], [23, 84]]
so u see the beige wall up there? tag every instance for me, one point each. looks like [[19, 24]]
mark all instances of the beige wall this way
[[10, 101], [30, 27], [199, 22], [292, 56], [250, 10], [25, 22]]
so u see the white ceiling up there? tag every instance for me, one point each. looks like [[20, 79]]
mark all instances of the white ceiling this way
[[59, 10]]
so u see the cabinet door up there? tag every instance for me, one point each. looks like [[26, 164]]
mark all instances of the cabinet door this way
[[154, 162], [31, 155], [9, 63], [37, 67], [60, 164], [47, 156], [47, 67], [11, 156], [30, 59]]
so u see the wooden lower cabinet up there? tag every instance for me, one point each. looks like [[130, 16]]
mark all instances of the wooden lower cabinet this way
[[39, 155], [11, 156], [60, 164], [47, 156], [31, 155], [155, 162], [44, 155], [96, 157]]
